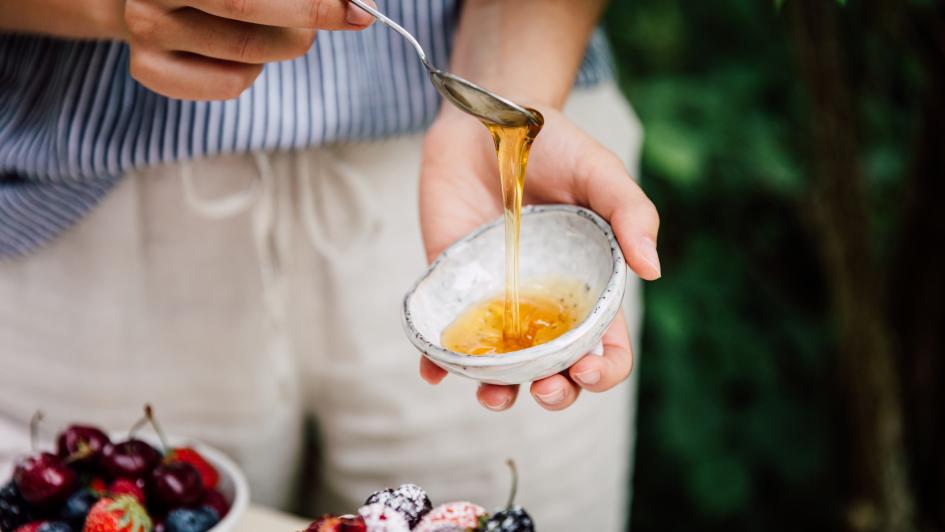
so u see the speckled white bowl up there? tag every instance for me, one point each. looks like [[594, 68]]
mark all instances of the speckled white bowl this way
[[557, 240]]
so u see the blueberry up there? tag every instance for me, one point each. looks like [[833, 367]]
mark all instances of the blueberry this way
[[54, 526], [191, 520], [77, 506], [14, 511]]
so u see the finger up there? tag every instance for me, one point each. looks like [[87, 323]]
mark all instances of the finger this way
[[555, 393], [614, 195], [430, 372], [191, 77], [496, 397], [597, 373], [316, 14], [190, 30]]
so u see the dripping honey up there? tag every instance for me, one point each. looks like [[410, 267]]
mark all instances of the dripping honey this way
[[520, 319], [512, 145]]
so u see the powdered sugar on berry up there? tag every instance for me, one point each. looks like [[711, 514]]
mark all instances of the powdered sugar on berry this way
[[461, 515], [380, 518]]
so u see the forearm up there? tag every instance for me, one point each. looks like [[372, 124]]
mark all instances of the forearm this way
[[524, 49], [76, 19]]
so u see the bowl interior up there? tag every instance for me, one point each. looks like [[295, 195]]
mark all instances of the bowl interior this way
[[555, 242]]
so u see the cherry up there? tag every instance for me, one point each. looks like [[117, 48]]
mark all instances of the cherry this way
[[214, 499], [176, 484], [81, 445], [131, 459], [43, 479]]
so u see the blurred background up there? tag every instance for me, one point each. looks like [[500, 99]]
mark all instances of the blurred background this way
[[792, 364]]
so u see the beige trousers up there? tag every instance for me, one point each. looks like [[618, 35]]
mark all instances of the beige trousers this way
[[241, 294]]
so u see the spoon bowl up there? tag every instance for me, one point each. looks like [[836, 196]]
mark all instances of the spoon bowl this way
[[556, 240]]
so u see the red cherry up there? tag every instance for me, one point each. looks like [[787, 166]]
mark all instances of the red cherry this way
[[214, 499], [81, 445], [176, 484], [43, 479], [132, 459]]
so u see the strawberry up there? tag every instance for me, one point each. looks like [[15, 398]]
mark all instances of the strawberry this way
[[452, 516], [123, 486], [208, 474], [121, 514], [330, 523]]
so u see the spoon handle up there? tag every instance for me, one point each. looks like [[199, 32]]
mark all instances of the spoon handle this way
[[394, 26]]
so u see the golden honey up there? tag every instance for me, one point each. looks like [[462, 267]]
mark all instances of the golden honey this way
[[512, 145], [547, 309], [519, 318]]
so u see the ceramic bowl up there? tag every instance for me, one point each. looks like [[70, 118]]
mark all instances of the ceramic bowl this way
[[556, 240], [232, 484]]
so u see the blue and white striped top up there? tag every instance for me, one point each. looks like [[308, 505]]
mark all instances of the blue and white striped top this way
[[72, 120]]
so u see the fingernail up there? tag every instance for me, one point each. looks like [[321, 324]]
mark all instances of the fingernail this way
[[646, 247], [359, 17], [589, 378], [497, 406], [552, 398]]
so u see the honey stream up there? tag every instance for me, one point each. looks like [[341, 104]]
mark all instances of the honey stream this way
[[542, 311]]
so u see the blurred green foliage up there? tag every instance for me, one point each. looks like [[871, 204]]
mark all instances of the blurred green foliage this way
[[738, 423]]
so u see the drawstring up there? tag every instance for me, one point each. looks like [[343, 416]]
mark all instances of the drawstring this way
[[261, 195], [267, 241], [364, 215], [218, 208]]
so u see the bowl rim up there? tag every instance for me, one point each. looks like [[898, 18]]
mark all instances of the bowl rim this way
[[613, 289]]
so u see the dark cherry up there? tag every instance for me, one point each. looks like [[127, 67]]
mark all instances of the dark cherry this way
[[81, 445], [44, 479], [131, 459], [176, 484]]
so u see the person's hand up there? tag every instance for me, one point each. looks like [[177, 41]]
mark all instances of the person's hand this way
[[459, 191], [215, 49]]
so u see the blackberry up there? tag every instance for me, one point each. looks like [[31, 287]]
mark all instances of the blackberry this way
[[409, 499], [14, 511], [512, 518]]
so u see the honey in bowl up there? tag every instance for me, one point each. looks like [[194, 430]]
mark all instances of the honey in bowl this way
[[547, 308]]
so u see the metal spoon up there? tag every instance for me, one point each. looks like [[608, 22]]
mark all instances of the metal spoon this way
[[464, 94]]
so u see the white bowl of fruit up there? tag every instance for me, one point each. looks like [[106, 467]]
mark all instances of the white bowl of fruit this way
[[95, 482]]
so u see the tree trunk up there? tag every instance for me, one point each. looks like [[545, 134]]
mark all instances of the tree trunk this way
[[916, 286], [881, 497]]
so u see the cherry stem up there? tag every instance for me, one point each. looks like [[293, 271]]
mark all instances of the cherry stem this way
[[149, 415], [83, 452], [34, 429], [137, 426], [511, 464]]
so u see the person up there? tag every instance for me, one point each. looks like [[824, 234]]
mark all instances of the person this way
[[212, 205]]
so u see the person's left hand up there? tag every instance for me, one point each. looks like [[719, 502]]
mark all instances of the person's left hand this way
[[459, 191]]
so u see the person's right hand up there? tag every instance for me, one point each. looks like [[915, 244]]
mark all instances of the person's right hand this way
[[215, 49]]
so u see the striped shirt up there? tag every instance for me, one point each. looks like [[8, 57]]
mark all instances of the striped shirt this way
[[72, 120]]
